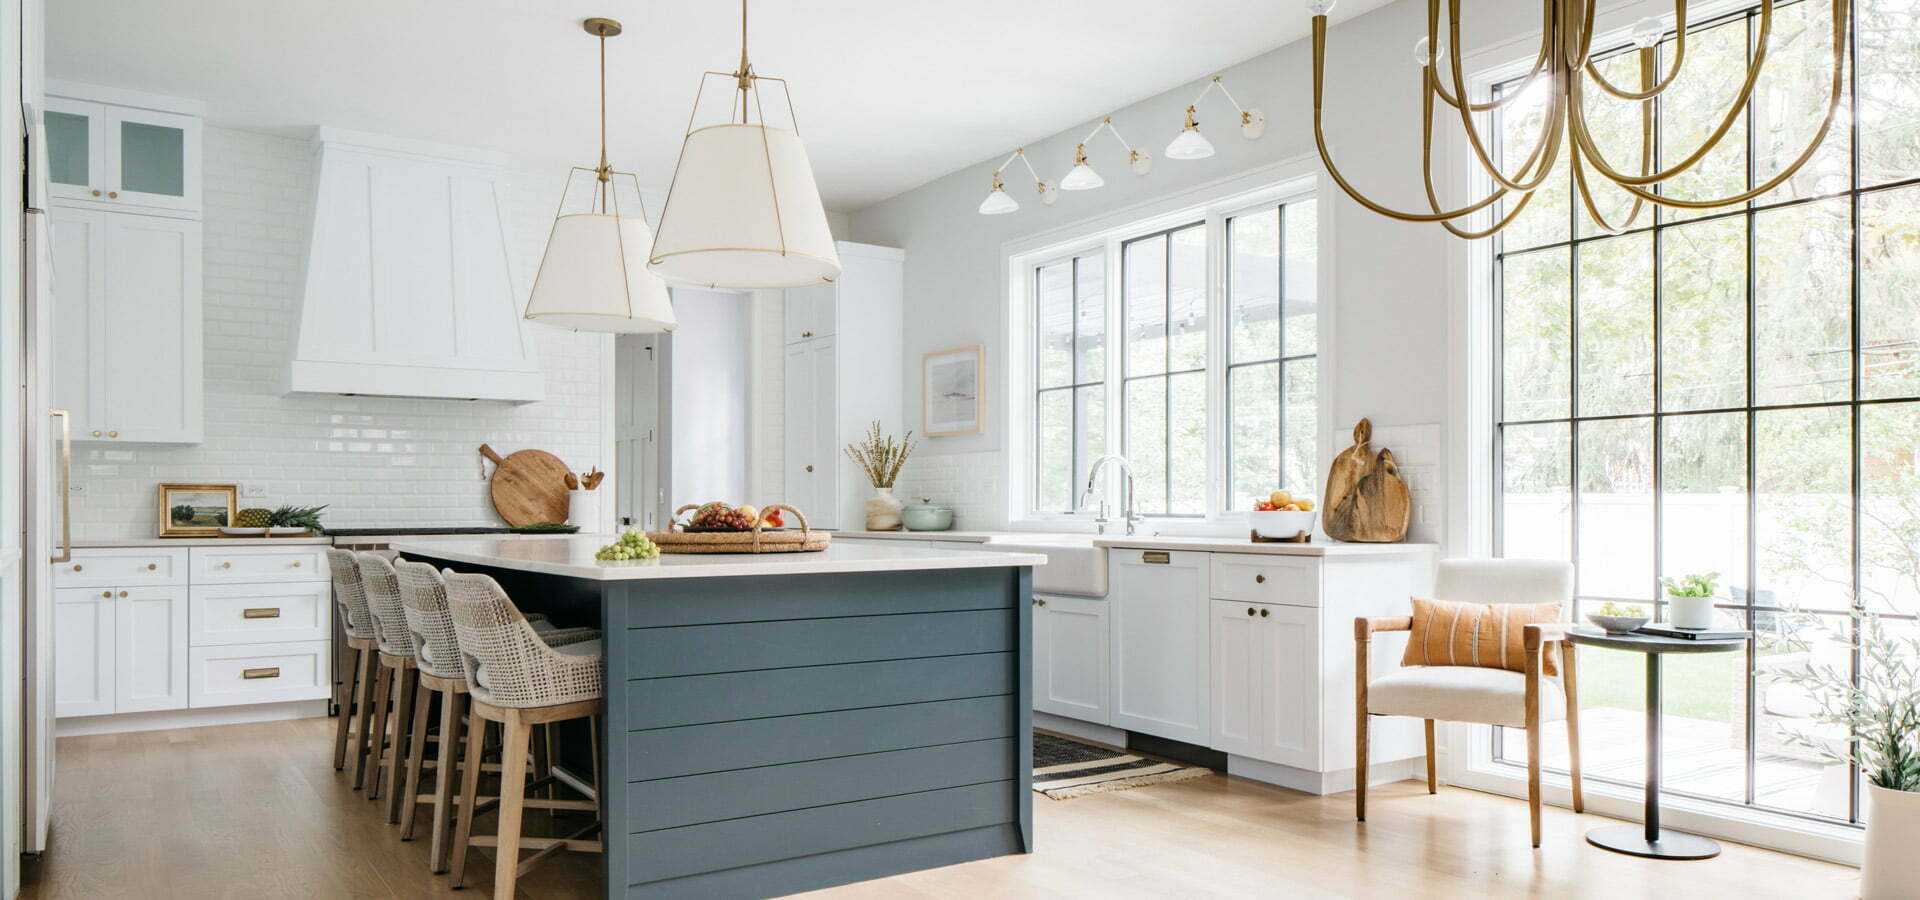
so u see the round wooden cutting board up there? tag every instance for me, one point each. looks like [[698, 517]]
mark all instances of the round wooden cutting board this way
[[529, 487]]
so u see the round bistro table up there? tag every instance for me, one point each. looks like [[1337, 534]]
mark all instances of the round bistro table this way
[[1651, 840]]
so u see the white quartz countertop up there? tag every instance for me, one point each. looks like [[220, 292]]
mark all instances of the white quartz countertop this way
[[971, 537], [573, 557], [200, 542], [1243, 545]]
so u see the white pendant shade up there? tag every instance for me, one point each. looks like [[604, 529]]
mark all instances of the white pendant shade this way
[[594, 278], [1081, 177], [1190, 144], [744, 212], [998, 203]]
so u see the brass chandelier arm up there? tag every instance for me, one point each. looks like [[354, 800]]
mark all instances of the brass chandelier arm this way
[[1646, 55], [1326, 157], [1840, 15], [1539, 65], [1583, 140], [1550, 135], [1577, 43], [1673, 69], [1426, 173]]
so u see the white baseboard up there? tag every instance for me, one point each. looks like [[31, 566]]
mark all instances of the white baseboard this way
[[1086, 731], [1323, 783], [188, 718]]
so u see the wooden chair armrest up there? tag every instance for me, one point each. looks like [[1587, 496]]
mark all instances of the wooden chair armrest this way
[[1363, 627], [1533, 637]]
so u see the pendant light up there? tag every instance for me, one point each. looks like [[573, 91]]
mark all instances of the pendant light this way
[[593, 276], [743, 210]]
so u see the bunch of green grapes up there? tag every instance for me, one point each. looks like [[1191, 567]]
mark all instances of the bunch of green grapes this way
[[631, 545]]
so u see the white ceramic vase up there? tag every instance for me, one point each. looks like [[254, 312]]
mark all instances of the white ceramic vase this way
[[1891, 868], [883, 510], [1689, 612], [583, 509]]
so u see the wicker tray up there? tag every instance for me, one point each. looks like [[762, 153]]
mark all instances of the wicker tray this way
[[677, 539]]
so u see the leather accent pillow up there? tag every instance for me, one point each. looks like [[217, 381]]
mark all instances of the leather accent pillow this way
[[1450, 633]]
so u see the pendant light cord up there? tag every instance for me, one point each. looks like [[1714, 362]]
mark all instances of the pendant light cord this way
[[605, 175]]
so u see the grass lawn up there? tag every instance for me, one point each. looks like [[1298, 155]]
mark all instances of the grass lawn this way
[[1697, 686]]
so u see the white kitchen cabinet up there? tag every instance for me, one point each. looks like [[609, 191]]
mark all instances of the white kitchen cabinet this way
[[812, 456], [83, 655], [112, 156], [1070, 657], [150, 641], [1159, 637], [260, 673], [127, 327], [842, 374], [1266, 699]]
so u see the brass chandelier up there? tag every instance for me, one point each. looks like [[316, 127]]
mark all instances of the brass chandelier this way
[[1565, 60]]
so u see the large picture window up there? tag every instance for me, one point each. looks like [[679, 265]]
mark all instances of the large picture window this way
[[1733, 392], [1213, 313]]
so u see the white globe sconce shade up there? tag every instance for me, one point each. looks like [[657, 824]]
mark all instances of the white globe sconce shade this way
[[744, 212], [594, 278]]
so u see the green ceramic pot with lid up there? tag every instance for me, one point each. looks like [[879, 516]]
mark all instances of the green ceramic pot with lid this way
[[926, 516]]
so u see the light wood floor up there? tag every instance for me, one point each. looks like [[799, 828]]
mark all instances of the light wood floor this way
[[257, 811]]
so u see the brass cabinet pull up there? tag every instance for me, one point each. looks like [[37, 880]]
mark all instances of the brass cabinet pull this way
[[261, 612], [226, 565], [1249, 610], [1263, 613], [806, 334], [76, 567], [113, 434], [296, 564], [96, 432], [152, 566], [123, 594], [96, 193], [809, 468], [107, 594], [1156, 557], [1259, 579], [268, 672], [113, 195], [1039, 602]]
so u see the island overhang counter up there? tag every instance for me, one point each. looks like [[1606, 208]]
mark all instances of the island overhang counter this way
[[777, 723]]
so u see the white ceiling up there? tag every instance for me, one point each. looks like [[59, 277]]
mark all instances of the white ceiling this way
[[890, 93]]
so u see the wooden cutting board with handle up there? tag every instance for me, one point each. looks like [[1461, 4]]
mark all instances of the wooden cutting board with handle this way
[[529, 486], [1366, 499]]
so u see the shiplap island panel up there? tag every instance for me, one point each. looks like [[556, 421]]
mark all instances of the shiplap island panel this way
[[785, 722]]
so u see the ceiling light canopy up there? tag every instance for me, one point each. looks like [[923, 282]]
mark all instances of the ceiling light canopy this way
[[1565, 63], [743, 210], [1191, 144], [593, 275]]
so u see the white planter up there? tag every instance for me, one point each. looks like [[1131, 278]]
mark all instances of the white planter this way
[[583, 509], [1891, 867], [1689, 612], [883, 510]]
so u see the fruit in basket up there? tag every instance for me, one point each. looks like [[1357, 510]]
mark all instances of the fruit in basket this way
[[252, 518], [1280, 499], [773, 519], [719, 517], [1304, 504], [748, 510], [631, 545]]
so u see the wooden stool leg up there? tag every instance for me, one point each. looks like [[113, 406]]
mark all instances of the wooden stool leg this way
[[1360, 767], [346, 713], [416, 756], [515, 744], [377, 737], [1433, 771], [451, 707], [469, 795], [363, 715], [403, 690]]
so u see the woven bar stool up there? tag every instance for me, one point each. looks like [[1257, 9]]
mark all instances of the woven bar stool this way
[[350, 604], [518, 680], [436, 651], [398, 674]]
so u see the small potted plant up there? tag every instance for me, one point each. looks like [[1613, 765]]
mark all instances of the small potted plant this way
[[880, 458], [1690, 600], [1882, 714]]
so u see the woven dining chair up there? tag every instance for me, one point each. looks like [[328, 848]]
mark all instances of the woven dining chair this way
[[398, 676], [350, 605]]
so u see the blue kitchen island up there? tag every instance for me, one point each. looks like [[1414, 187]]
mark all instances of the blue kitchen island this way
[[784, 722]]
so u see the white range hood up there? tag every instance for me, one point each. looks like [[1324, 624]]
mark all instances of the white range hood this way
[[406, 289]]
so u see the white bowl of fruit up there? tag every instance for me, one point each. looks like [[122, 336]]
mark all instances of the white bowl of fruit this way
[[1282, 516]]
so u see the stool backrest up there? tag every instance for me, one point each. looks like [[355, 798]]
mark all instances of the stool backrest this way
[[383, 600], [506, 661], [423, 596], [349, 595]]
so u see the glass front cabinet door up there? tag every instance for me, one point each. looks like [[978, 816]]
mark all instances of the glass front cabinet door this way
[[122, 156]]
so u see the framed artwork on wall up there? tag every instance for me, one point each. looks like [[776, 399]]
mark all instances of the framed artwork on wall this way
[[952, 393], [196, 509]]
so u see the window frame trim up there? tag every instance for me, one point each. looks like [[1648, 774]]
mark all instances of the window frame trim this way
[[1212, 204]]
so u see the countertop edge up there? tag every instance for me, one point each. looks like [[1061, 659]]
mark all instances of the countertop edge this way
[[747, 565]]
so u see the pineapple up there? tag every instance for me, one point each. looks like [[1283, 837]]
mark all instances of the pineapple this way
[[297, 517], [252, 518]]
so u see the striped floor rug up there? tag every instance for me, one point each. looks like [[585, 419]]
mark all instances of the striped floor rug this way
[[1064, 768]]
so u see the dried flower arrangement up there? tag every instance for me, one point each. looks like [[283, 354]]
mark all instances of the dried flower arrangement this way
[[880, 457]]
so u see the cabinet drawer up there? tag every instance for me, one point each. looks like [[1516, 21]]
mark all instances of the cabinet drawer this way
[[259, 673], [276, 612], [246, 565], [1258, 578], [122, 567]]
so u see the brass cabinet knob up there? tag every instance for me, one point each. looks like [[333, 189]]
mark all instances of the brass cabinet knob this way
[[113, 434], [113, 195], [296, 564], [1039, 602], [123, 593], [226, 565], [152, 566], [1263, 613], [96, 432], [1249, 610], [1259, 579], [806, 334], [96, 193], [107, 594], [809, 468], [76, 567]]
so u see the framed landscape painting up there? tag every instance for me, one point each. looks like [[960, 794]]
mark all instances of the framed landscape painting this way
[[952, 399], [196, 509]]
